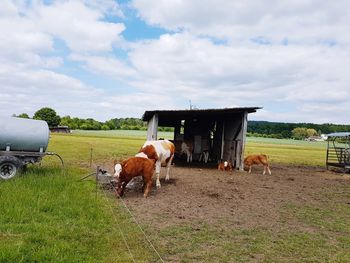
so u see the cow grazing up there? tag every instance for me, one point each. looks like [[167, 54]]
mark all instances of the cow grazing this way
[[132, 167], [162, 151], [225, 166], [250, 160], [187, 148]]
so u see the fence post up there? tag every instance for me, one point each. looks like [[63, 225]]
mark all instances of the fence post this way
[[96, 177], [90, 157]]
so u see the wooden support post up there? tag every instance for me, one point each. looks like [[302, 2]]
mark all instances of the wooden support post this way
[[152, 128], [222, 141], [241, 141]]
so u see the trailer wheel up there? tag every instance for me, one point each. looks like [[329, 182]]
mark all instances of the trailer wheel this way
[[9, 166]]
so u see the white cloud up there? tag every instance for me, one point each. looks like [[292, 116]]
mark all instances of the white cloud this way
[[107, 66], [290, 57], [261, 54], [30, 31], [275, 20], [137, 102], [78, 25], [110, 7], [33, 89], [28, 55]]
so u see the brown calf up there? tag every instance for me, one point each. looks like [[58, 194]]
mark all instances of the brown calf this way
[[132, 167], [225, 166], [256, 159]]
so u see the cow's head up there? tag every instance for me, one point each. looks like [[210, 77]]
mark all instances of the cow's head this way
[[228, 166], [118, 176], [117, 170], [225, 166]]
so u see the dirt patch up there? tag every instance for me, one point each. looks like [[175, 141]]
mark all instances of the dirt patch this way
[[241, 199]]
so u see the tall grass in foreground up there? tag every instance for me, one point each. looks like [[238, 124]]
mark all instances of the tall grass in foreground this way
[[48, 217]]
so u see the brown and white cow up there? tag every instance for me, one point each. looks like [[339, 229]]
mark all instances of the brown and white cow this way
[[225, 166], [162, 151], [256, 159], [133, 167]]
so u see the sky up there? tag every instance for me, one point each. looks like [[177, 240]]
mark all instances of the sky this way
[[106, 59]]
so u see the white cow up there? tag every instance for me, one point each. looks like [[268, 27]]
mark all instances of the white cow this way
[[187, 148], [162, 151], [204, 156]]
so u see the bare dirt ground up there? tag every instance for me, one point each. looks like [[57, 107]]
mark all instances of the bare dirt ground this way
[[244, 200]]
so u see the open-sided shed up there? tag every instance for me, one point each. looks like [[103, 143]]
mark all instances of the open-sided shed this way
[[222, 132], [338, 150]]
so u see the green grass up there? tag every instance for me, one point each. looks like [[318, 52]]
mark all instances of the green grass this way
[[49, 217], [122, 133], [217, 243], [289, 151], [125, 143], [76, 150], [46, 216]]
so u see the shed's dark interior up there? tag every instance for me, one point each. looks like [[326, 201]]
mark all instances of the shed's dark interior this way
[[221, 132]]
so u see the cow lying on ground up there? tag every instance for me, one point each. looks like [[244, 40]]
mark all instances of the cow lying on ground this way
[[225, 166], [132, 167], [162, 151], [256, 159]]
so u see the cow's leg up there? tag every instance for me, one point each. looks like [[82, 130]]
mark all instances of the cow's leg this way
[[250, 169], [268, 169], [206, 157], [158, 164], [167, 177], [264, 172], [148, 187], [120, 190]]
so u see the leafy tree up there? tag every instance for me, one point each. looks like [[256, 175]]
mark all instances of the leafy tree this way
[[299, 133], [268, 129], [105, 127], [23, 115], [111, 124], [68, 121], [48, 115], [311, 132]]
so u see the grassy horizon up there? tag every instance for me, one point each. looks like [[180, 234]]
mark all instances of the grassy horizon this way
[[280, 151]]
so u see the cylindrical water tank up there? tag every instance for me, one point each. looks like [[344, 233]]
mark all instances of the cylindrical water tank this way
[[18, 134]]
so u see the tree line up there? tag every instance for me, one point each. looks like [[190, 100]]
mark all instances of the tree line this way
[[282, 130], [53, 120], [277, 130]]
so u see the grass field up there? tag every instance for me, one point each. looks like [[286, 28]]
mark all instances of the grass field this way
[[289, 151], [47, 216], [279, 150], [50, 217]]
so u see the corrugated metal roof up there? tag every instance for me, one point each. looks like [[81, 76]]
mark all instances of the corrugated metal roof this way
[[339, 134], [198, 112]]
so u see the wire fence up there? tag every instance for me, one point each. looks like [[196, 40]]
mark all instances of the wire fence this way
[[132, 234]]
